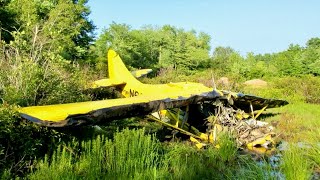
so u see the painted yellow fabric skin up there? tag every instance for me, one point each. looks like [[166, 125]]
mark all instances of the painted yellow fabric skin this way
[[119, 73], [60, 112]]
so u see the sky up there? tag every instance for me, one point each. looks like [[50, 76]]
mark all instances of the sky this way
[[258, 26]]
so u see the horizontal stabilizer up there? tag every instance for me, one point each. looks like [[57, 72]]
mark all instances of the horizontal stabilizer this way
[[106, 83], [141, 72]]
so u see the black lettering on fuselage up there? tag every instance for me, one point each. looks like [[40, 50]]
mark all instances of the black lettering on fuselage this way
[[133, 93]]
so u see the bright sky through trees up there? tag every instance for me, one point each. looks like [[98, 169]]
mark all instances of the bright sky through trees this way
[[247, 26]]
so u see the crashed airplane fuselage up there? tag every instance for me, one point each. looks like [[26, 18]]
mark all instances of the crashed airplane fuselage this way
[[181, 106]]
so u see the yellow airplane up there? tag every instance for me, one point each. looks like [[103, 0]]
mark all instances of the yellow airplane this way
[[140, 99]]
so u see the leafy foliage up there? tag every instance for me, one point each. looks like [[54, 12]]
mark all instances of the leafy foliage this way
[[58, 27], [165, 47], [7, 23], [34, 70], [130, 154], [25, 81], [21, 143], [295, 61]]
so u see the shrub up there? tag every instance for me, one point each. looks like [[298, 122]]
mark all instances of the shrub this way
[[24, 81], [293, 89], [307, 86], [131, 154], [22, 142]]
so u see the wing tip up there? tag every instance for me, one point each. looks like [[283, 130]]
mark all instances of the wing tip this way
[[31, 118]]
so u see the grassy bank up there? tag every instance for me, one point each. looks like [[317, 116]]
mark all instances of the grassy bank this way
[[297, 122], [298, 126]]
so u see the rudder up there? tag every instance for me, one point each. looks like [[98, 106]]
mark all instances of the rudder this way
[[117, 70]]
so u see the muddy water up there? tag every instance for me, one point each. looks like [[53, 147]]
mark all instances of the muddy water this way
[[268, 159], [273, 157]]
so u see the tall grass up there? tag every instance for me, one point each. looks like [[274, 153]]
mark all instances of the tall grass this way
[[249, 169], [295, 165], [187, 162], [132, 154]]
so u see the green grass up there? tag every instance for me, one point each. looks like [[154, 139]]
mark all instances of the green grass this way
[[296, 123], [295, 165], [184, 161], [132, 154], [313, 153]]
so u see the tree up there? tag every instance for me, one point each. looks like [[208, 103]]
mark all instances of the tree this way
[[221, 58], [7, 23], [310, 59], [313, 43], [60, 27], [165, 47]]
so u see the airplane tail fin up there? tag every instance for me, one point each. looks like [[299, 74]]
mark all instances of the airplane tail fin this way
[[119, 75], [117, 70]]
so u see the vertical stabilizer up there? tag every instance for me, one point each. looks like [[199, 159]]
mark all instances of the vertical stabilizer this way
[[117, 70]]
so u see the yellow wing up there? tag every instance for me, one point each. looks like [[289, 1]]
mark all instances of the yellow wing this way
[[97, 112]]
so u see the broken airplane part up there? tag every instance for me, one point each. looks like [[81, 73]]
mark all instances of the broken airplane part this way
[[146, 99]]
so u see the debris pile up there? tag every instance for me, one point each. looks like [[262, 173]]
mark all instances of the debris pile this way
[[246, 129]]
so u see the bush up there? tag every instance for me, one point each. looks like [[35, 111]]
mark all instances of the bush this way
[[131, 154], [26, 82], [21, 142], [293, 89], [307, 87]]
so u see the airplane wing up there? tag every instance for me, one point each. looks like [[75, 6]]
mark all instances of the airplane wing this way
[[243, 102], [103, 111], [99, 112]]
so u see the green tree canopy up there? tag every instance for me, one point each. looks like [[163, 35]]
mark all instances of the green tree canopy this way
[[60, 27], [7, 23], [155, 47]]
